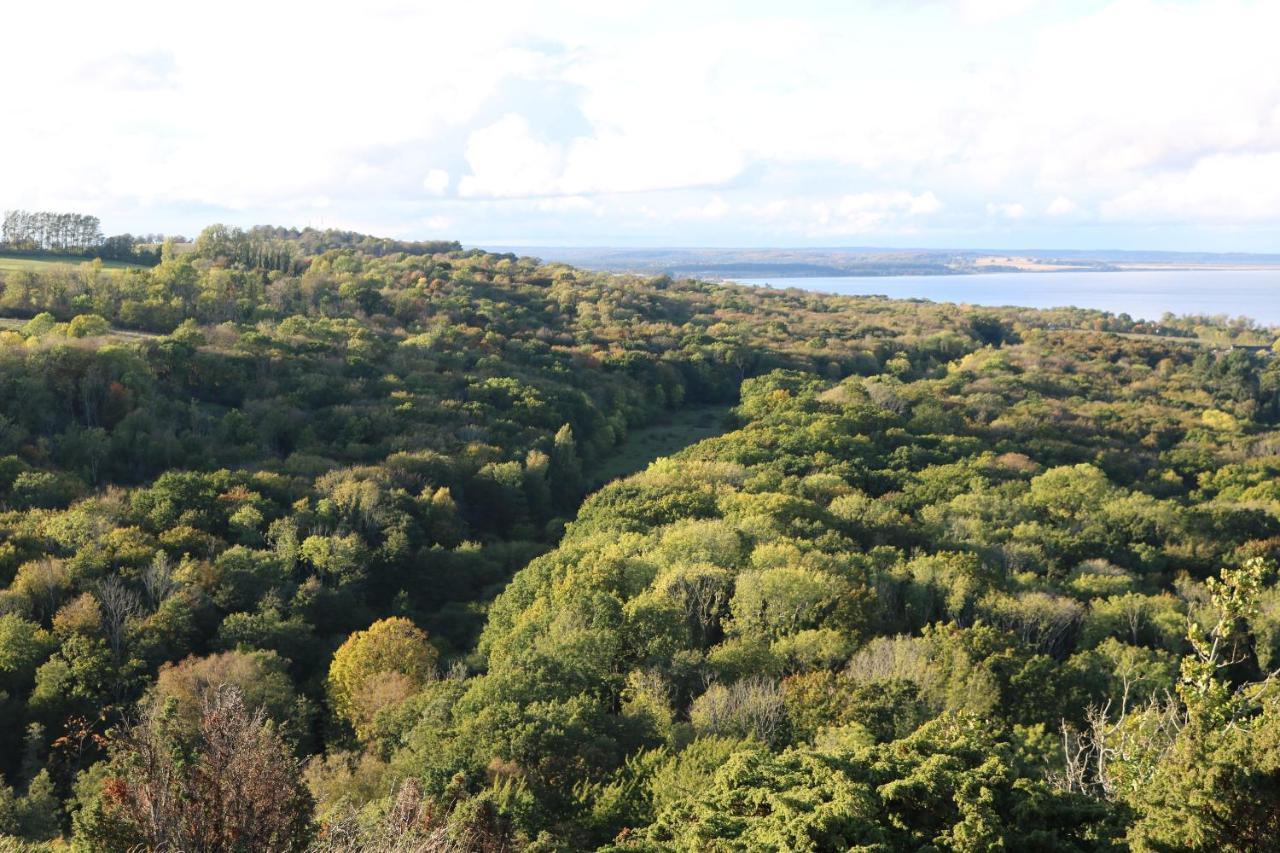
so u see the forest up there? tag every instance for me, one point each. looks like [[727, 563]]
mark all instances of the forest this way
[[300, 549]]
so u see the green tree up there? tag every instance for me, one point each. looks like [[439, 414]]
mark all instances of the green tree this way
[[378, 667], [87, 326]]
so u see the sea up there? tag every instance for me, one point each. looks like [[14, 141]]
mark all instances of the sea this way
[[1142, 294]]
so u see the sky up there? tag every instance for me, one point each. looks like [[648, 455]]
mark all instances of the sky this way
[[966, 124]]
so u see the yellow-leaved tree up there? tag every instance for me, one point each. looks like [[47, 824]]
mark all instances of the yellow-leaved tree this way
[[380, 666]]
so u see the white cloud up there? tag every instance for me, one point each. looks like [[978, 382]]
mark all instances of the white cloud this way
[[1006, 210], [165, 120], [1062, 206], [506, 160], [711, 121], [716, 208], [436, 182], [564, 204], [991, 11], [860, 213], [1219, 188]]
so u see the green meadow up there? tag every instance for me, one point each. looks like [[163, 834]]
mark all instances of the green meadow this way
[[10, 263]]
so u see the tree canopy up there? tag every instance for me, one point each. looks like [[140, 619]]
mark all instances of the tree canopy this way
[[313, 512]]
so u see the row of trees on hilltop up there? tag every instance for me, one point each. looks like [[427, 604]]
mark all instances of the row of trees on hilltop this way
[[267, 247], [315, 241], [25, 230], [42, 232], [264, 247]]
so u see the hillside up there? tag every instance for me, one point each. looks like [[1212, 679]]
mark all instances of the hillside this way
[[910, 550]]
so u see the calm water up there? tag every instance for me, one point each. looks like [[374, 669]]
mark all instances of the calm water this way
[[1141, 295]]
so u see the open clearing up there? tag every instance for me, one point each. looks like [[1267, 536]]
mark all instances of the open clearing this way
[[645, 444], [23, 262], [16, 323]]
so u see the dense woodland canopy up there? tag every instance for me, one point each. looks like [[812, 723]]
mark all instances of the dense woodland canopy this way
[[294, 554]]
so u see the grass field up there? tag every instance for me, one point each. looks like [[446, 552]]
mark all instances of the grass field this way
[[19, 262], [676, 432], [16, 323], [1255, 341]]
